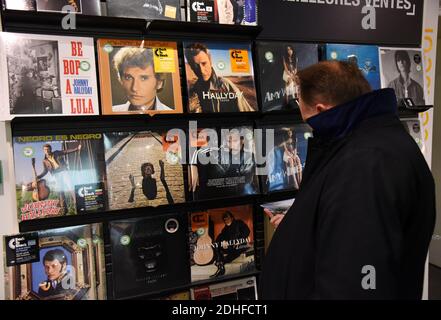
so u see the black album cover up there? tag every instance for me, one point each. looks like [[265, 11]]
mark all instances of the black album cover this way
[[284, 148], [149, 254], [69, 266], [222, 163], [278, 65], [145, 9]]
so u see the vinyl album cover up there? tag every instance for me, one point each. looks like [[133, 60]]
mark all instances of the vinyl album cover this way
[[279, 207], [242, 289], [145, 9], [27, 5], [364, 56], [413, 127], [239, 12], [402, 70], [59, 175], [220, 77], [69, 266], [221, 243], [285, 160], [149, 254], [47, 75], [222, 163], [278, 66], [88, 7], [144, 169], [139, 77]]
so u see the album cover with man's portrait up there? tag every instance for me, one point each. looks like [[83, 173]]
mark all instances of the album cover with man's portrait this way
[[148, 255], [278, 66], [402, 70], [145, 9], [242, 289], [222, 163], [221, 243], [47, 75], [285, 157], [139, 77], [143, 169], [57, 264], [220, 77], [87, 7], [238, 12], [59, 175], [413, 127], [364, 56]]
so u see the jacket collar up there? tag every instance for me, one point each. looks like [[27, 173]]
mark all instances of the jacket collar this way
[[339, 121]]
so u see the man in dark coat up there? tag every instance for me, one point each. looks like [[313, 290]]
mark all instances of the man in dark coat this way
[[365, 212]]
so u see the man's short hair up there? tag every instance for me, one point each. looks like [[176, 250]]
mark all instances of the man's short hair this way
[[132, 57], [147, 165], [228, 214], [402, 55], [331, 82], [47, 145], [193, 50], [55, 254]]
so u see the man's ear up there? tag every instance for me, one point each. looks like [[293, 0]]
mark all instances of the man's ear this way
[[159, 85], [320, 107]]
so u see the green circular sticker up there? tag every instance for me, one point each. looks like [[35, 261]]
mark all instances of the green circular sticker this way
[[125, 240], [28, 152], [85, 66], [96, 240], [200, 231], [221, 65], [269, 56], [108, 48], [334, 55], [82, 243]]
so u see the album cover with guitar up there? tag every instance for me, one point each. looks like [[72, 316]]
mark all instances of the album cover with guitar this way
[[221, 243], [59, 175]]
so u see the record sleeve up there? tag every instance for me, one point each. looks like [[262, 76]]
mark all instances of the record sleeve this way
[[145, 9], [285, 157], [242, 289], [47, 75], [144, 169], [148, 255], [59, 175], [278, 66], [365, 57], [27, 5], [238, 12], [413, 127], [139, 77], [87, 7], [222, 163], [221, 243], [402, 70], [279, 207], [220, 77], [69, 266]]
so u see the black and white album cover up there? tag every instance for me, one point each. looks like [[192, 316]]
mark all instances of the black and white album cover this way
[[88, 7], [149, 254], [27, 5], [145, 9], [278, 66], [403, 71]]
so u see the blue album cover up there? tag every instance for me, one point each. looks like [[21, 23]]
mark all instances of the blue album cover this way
[[366, 57]]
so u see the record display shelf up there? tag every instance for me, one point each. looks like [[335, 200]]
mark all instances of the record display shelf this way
[[51, 23]]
